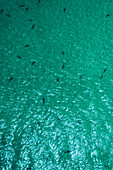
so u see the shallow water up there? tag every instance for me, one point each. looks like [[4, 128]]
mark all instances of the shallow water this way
[[56, 112]]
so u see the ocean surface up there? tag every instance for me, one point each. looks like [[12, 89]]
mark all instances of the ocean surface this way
[[56, 85]]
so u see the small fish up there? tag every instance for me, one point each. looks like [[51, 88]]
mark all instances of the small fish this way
[[30, 20], [101, 76], [79, 122], [33, 26], [107, 15], [26, 45], [64, 9], [104, 70], [8, 15], [21, 6], [63, 67], [68, 151], [10, 79], [33, 62], [19, 57], [26, 9], [62, 52], [43, 101], [81, 76], [1, 11], [107, 167], [39, 1], [29, 168], [57, 79]]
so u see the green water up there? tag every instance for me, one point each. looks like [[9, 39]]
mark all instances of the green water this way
[[56, 92]]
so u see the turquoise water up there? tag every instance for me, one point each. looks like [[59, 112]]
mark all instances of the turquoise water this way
[[56, 85]]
